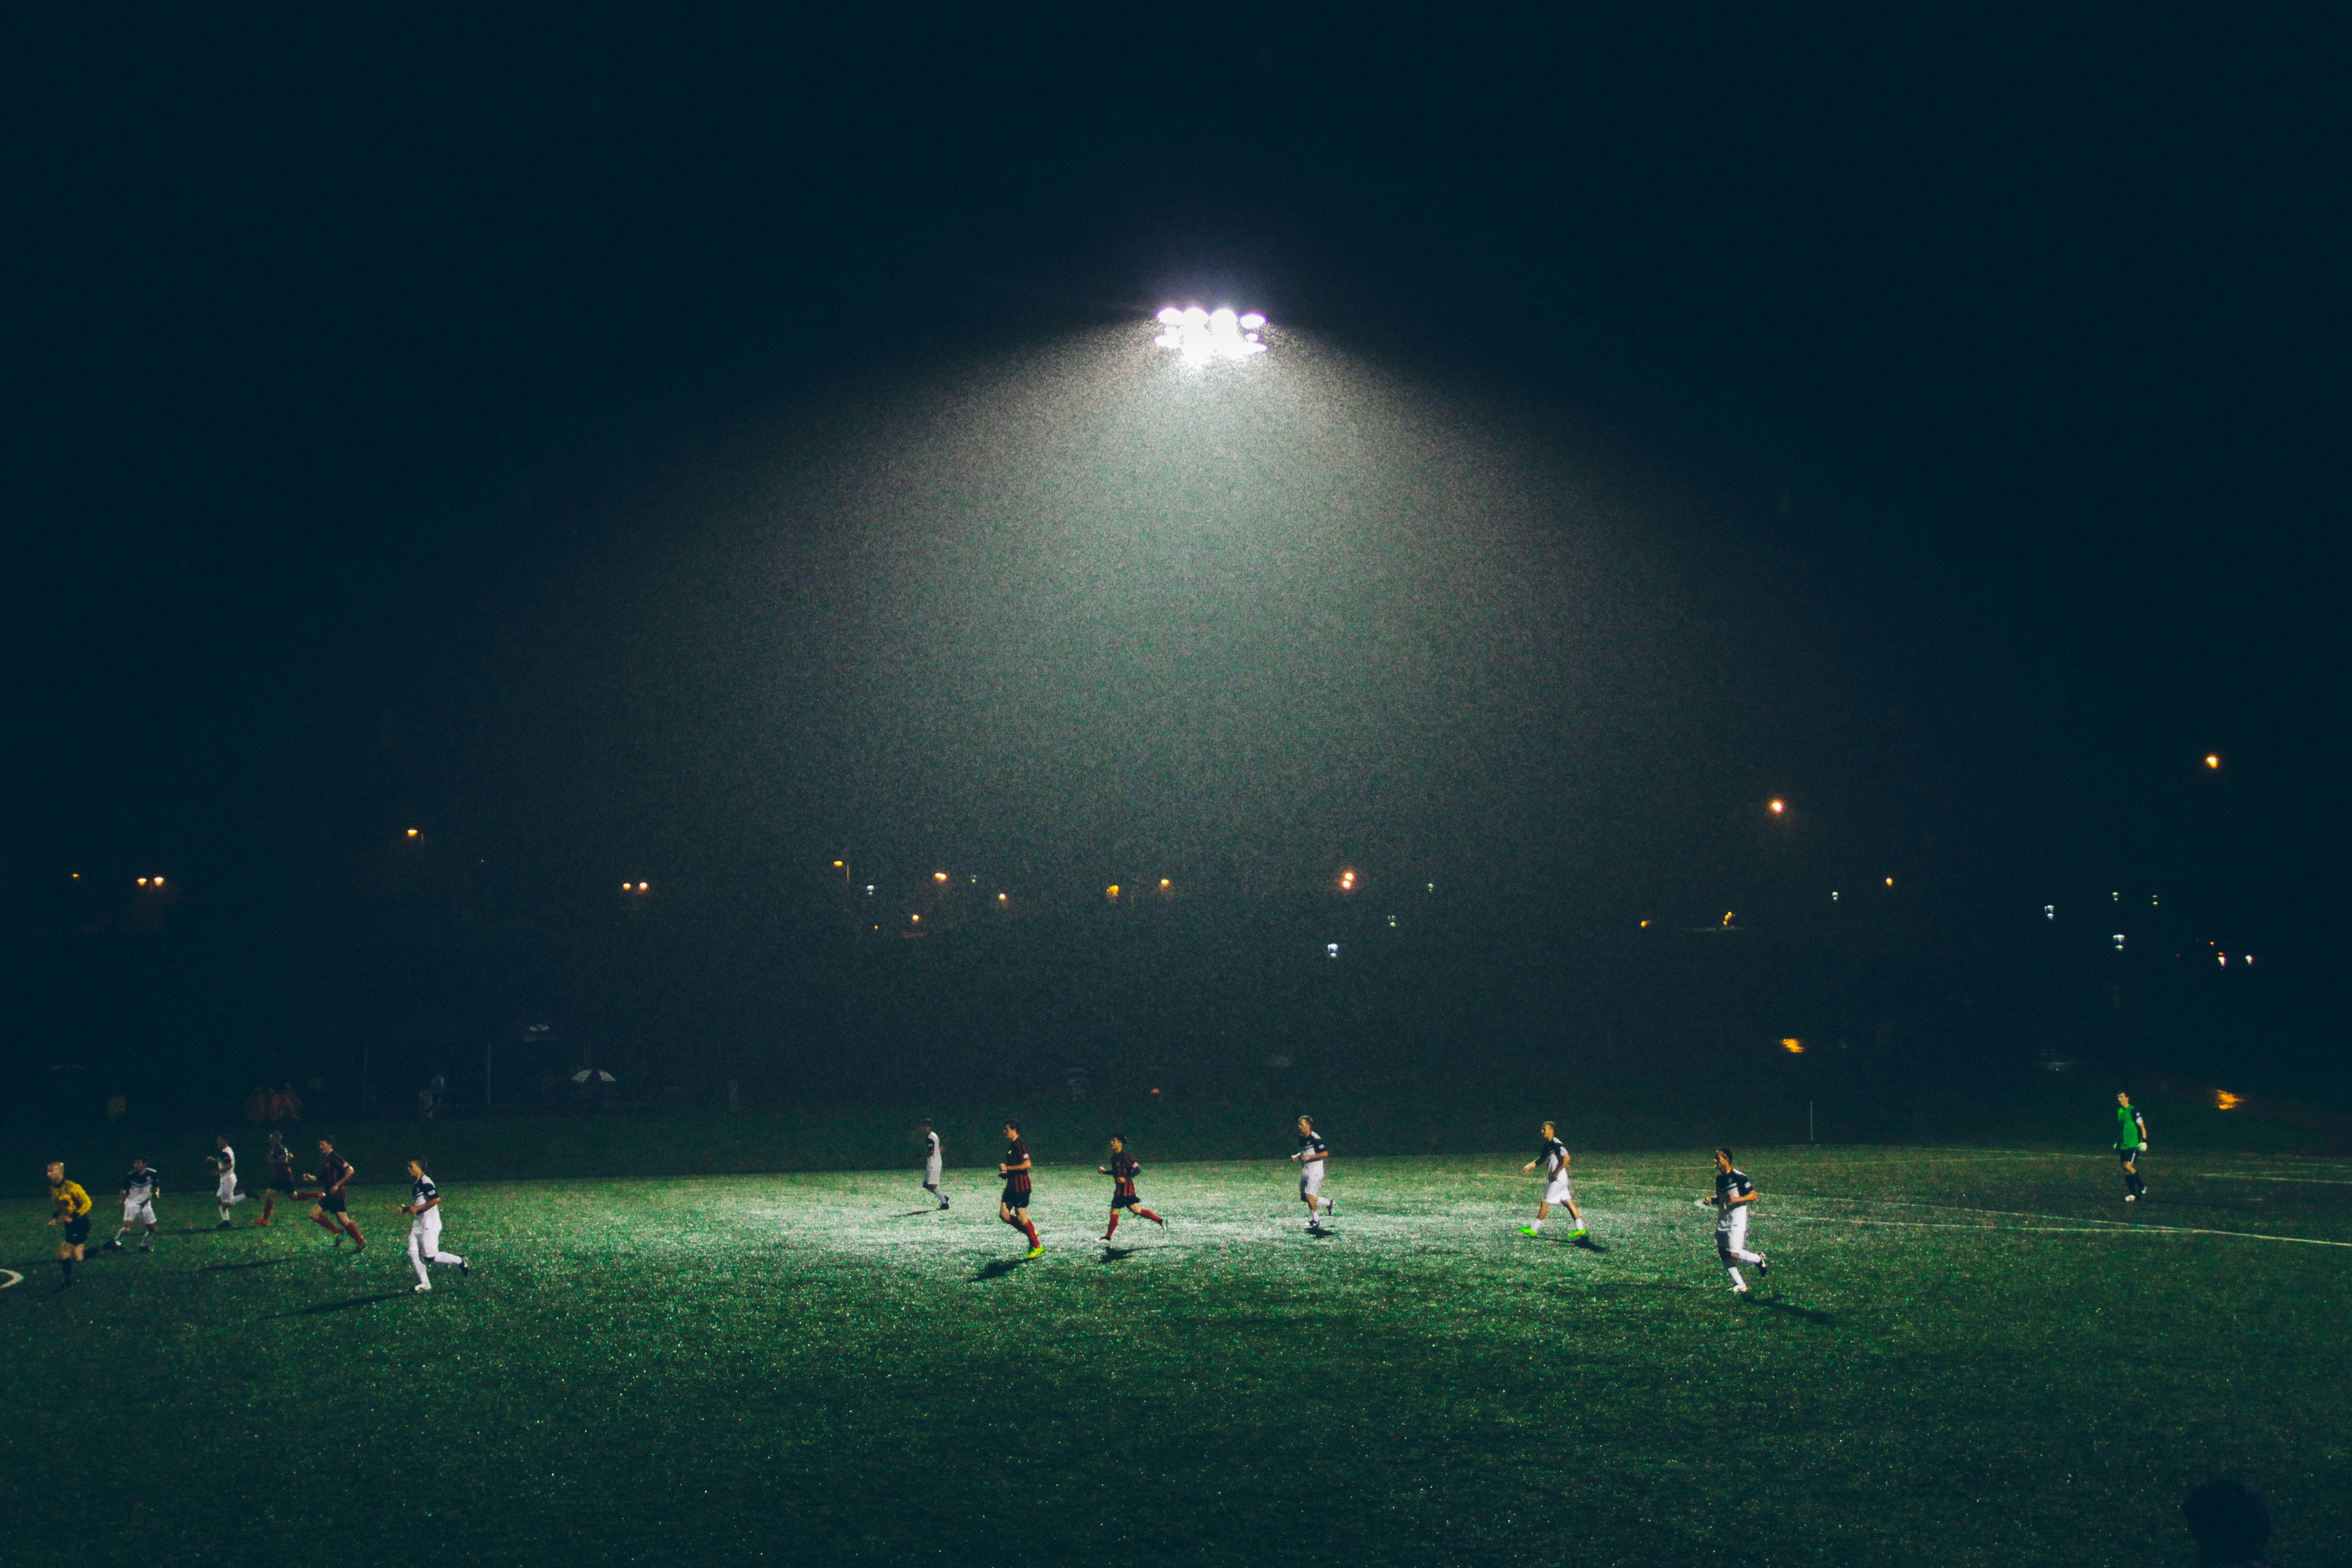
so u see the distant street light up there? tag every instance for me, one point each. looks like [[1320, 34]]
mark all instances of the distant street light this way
[[1346, 882], [2213, 760], [411, 833], [1777, 806]]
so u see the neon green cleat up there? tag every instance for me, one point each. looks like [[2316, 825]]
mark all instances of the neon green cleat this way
[[1529, 1230], [1034, 1252]]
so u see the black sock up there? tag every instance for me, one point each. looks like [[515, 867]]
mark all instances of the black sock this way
[[66, 1264]]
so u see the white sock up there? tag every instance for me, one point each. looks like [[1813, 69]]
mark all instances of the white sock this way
[[1536, 1223], [1737, 1282], [223, 1208], [124, 1232]]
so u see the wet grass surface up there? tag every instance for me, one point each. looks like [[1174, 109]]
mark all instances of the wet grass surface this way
[[1960, 1356]]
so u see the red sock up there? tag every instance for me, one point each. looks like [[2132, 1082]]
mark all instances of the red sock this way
[[1150, 1215], [326, 1225], [1114, 1223], [354, 1232], [1030, 1225]]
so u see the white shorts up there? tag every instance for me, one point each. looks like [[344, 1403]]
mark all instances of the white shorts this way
[[1557, 1194], [427, 1228], [228, 1185], [140, 1213], [1310, 1179], [1731, 1230], [931, 1172]]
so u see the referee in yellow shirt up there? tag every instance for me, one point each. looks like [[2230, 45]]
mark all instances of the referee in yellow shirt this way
[[72, 1211]]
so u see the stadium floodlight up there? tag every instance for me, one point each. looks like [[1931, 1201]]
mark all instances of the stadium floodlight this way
[[1199, 336]]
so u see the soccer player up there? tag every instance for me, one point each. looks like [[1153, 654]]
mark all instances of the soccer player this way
[[1553, 1158], [281, 1176], [1312, 1152], [1734, 1193], [932, 1164], [1122, 1171], [333, 1211], [424, 1206], [1013, 1207], [224, 1164], [2131, 1143], [140, 1188], [70, 1206]]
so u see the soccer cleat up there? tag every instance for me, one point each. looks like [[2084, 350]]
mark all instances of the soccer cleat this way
[[223, 1226], [422, 1287], [1529, 1230], [1036, 1251], [146, 1246], [1331, 1207], [1160, 1223], [1762, 1268], [114, 1246], [461, 1267], [260, 1223], [1579, 1234], [1739, 1289], [2131, 1197]]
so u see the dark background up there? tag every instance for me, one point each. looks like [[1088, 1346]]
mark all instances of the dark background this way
[[1966, 386]]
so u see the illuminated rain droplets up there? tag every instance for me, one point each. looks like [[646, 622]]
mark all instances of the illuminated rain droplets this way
[[1200, 336]]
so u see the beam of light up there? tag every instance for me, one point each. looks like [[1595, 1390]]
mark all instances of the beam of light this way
[[1199, 336]]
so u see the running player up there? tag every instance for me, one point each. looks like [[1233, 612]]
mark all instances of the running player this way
[[1733, 1194], [1013, 1207], [2131, 1143], [424, 1206], [140, 1188], [68, 1207], [1553, 1158], [1122, 1171], [932, 1164], [224, 1164], [1311, 1154], [281, 1176], [333, 1211]]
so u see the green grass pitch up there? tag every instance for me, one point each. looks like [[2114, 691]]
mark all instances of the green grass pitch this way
[[1960, 1357]]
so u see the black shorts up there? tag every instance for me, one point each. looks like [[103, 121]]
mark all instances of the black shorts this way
[[282, 1185], [332, 1202], [1015, 1197], [1129, 1202], [78, 1230], [2127, 1155]]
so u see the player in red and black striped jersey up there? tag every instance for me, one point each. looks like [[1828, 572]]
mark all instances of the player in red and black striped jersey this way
[[1013, 1207], [1122, 1171], [331, 1211], [281, 1176]]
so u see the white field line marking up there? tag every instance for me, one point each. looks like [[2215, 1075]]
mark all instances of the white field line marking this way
[[2251, 1177], [13, 1277], [2113, 1228]]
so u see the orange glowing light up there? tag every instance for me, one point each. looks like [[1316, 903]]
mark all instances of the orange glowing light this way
[[1727, 916], [917, 919], [411, 833], [1111, 891], [1163, 881], [939, 875], [1779, 806], [1794, 1048], [142, 881], [641, 887], [1000, 898], [1890, 882], [837, 865], [2212, 761], [1346, 882], [1645, 925], [2224, 1100], [159, 881]]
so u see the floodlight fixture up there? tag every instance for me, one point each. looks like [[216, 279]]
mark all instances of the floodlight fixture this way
[[1199, 336]]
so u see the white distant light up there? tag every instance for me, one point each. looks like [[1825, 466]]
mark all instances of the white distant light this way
[[1202, 335]]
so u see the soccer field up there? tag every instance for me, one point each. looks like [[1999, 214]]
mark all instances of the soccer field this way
[[1960, 1356]]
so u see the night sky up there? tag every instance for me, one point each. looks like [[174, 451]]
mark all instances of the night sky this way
[[700, 453]]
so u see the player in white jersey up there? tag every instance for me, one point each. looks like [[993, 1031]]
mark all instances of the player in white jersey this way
[[1312, 1152], [424, 1209], [140, 1190], [1735, 1195], [1553, 1158], [224, 1164], [932, 1165]]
